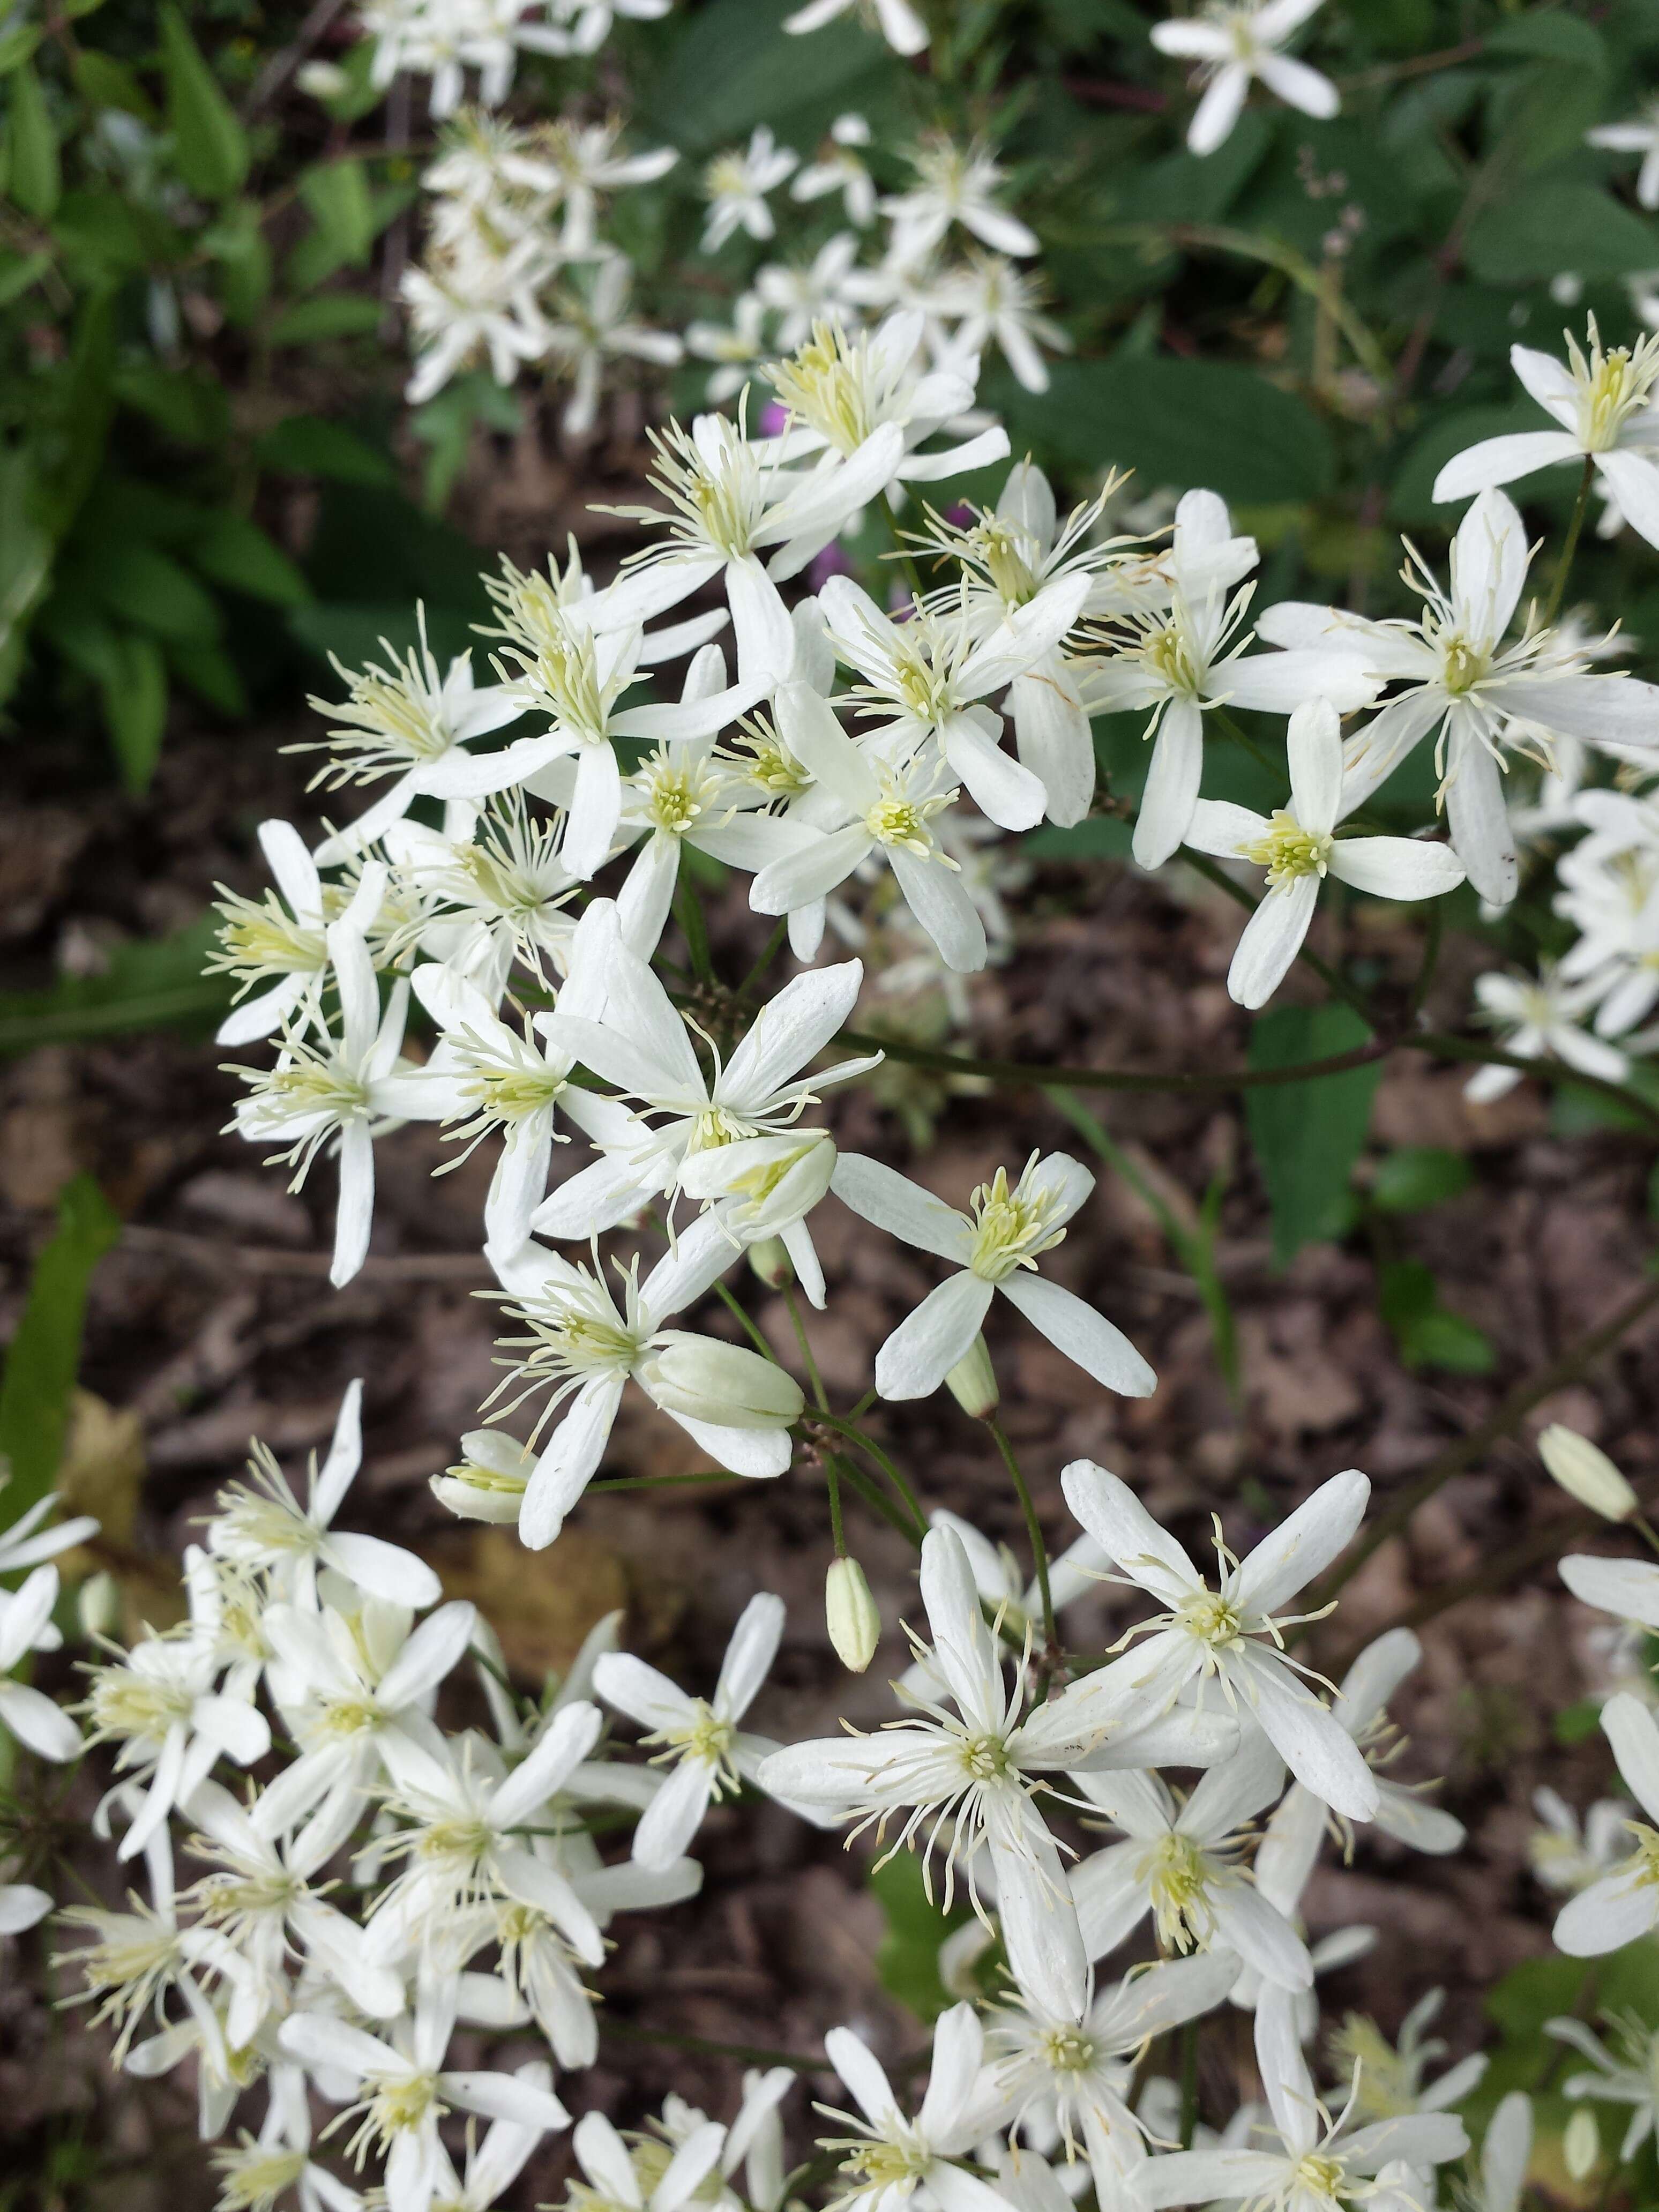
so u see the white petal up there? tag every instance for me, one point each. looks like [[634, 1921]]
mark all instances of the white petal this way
[[928, 1344]]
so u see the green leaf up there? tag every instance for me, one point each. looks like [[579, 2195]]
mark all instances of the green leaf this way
[[101, 230], [17, 44], [148, 589], [155, 984], [336, 193], [1426, 1333], [1577, 1724], [336, 315], [306, 446], [734, 66], [191, 408], [1308, 1135], [906, 1961], [1417, 1177], [135, 704], [103, 81], [19, 271], [444, 426], [25, 552], [237, 243], [237, 552], [1551, 224], [36, 179], [45, 1354], [1411, 496], [210, 146], [1101, 837], [211, 673], [1175, 422]]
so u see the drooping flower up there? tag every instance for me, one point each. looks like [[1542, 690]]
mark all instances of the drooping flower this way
[[1233, 44]]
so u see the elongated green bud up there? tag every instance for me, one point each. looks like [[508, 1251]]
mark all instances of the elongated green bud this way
[[850, 1611], [973, 1383]]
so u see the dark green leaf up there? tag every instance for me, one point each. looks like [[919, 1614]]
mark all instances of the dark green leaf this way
[[192, 408], [336, 315], [237, 552], [1101, 837], [36, 179], [148, 588], [1179, 423], [306, 446], [734, 66], [906, 1962], [1554, 224], [157, 985], [26, 550], [445, 427], [135, 704], [336, 193], [211, 673], [103, 81], [209, 145], [100, 230], [1420, 1175], [1308, 1135], [1411, 498], [44, 1357], [237, 244], [17, 45], [1577, 1724], [18, 271], [1426, 1333]]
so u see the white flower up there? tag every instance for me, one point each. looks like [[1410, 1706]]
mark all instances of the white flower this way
[[279, 941], [619, 2181], [343, 1683], [642, 1043], [1003, 1587], [404, 2089], [1604, 405], [1323, 2164], [1505, 2154], [590, 328], [735, 185], [579, 162], [261, 1525], [1623, 1904], [885, 810], [409, 722], [1180, 1863], [926, 681], [459, 1819], [261, 1903], [1297, 848], [1192, 658], [801, 294], [1285, 1858], [255, 2170], [26, 1625], [1232, 44], [954, 184], [996, 1246], [888, 2158], [994, 303], [590, 21], [737, 1405], [1639, 136], [24, 1543], [1463, 680], [1563, 1855], [735, 348], [969, 1778], [840, 167], [1629, 2076], [1074, 2076], [727, 500], [490, 887], [162, 1705], [839, 388], [493, 2165], [334, 1092], [708, 1755], [467, 302], [1235, 1630], [1541, 1017], [896, 20]]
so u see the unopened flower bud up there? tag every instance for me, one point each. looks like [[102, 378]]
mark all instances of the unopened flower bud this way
[[973, 1383], [98, 1606], [489, 1482], [701, 1379], [322, 80], [1586, 1472], [770, 1261], [1581, 2143], [850, 1611]]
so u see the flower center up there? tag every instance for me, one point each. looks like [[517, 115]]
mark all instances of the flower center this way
[[125, 1704], [252, 2179], [1612, 385], [1177, 1874], [894, 820], [828, 383], [1068, 2051], [399, 2103], [705, 1737], [264, 939], [1011, 1226], [1288, 850], [1005, 554], [1213, 1618], [1168, 654], [1321, 2176], [985, 1758], [1462, 665], [885, 2164]]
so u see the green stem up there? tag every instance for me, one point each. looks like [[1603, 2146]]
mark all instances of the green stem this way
[[749, 1328], [773, 946], [1188, 2083], [877, 1500], [1334, 983], [1240, 737], [812, 1365], [1033, 1531], [837, 1535], [1432, 935], [912, 575], [689, 907], [889, 1466], [1580, 508]]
